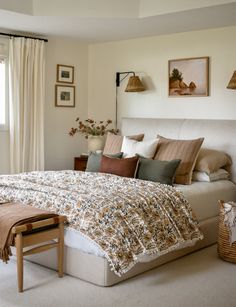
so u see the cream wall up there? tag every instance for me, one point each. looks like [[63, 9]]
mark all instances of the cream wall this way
[[60, 148], [95, 68], [4, 155], [149, 58]]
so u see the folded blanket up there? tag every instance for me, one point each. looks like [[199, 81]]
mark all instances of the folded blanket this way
[[15, 214]]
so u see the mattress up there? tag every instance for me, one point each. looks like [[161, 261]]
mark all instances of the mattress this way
[[202, 196]]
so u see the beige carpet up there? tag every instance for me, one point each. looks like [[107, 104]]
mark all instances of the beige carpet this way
[[200, 279]]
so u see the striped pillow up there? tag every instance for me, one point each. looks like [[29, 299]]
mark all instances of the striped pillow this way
[[114, 142], [185, 150]]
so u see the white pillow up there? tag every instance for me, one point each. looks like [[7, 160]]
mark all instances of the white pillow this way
[[221, 174], [146, 149]]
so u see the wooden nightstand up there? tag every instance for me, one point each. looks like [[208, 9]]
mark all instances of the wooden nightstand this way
[[80, 163]]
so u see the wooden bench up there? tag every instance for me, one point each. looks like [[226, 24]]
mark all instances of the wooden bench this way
[[37, 233]]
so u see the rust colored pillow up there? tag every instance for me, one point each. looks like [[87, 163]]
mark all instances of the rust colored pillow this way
[[114, 142], [121, 167], [185, 150]]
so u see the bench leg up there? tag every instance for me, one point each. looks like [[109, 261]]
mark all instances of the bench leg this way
[[19, 257], [60, 250]]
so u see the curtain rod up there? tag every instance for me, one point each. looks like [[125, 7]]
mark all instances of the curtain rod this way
[[15, 35]]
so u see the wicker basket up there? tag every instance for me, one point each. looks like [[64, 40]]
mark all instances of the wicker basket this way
[[226, 251]]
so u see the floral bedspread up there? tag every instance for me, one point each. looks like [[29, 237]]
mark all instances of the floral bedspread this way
[[127, 218]]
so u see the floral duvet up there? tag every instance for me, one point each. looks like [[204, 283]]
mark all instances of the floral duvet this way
[[127, 218]]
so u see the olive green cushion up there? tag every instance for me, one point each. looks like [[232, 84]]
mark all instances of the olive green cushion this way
[[94, 160], [157, 171]]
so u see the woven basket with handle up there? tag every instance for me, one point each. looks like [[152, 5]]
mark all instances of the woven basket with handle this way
[[226, 251]]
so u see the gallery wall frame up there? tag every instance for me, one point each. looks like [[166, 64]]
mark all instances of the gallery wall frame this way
[[188, 77], [65, 96], [65, 73]]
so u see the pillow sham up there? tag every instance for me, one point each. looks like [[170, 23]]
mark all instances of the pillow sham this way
[[145, 149], [94, 161], [157, 171], [185, 150], [121, 167], [221, 174], [210, 160], [114, 142]]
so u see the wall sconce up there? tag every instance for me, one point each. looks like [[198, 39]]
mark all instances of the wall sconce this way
[[232, 82], [134, 85]]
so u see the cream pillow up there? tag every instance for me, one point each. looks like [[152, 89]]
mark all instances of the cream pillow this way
[[145, 149], [221, 174]]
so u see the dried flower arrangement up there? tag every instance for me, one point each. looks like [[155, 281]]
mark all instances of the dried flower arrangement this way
[[91, 127]]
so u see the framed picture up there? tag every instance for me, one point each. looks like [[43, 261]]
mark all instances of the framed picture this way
[[189, 77], [65, 73], [65, 96]]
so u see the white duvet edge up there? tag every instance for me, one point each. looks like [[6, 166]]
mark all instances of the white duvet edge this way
[[146, 256]]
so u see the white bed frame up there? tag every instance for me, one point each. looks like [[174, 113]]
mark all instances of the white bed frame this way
[[218, 134]]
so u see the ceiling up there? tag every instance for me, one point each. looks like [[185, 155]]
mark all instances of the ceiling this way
[[114, 20]]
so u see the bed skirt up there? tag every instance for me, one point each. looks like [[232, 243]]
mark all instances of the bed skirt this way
[[96, 269]]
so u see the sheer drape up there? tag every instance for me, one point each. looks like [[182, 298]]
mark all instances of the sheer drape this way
[[26, 104]]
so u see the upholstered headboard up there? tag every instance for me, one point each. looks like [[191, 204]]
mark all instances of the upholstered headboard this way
[[218, 134]]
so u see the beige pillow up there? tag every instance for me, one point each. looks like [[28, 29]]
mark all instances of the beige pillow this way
[[210, 160], [185, 150], [114, 142]]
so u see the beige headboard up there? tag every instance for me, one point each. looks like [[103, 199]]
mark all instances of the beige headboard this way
[[218, 134]]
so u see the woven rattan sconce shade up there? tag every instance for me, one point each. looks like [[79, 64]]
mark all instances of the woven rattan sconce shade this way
[[134, 85], [232, 82]]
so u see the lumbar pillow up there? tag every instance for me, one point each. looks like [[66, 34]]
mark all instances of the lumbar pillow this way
[[114, 142], [145, 149], [94, 161], [185, 150], [157, 171], [121, 167], [210, 160], [221, 174]]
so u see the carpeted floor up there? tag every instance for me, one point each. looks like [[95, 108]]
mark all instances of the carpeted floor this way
[[200, 279]]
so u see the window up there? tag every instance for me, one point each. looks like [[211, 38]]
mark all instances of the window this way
[[3, 94]]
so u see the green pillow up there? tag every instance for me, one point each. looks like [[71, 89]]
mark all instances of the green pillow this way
[[94, 161], [157, 171]]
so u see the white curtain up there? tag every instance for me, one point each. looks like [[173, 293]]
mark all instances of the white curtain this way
[[26, 104]]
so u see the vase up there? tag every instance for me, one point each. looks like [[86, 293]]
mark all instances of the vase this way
[[95, 142]]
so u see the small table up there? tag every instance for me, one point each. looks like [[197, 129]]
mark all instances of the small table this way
[[36, 233], [80, 163]]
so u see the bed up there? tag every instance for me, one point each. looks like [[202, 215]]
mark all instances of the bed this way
[[84, 260]]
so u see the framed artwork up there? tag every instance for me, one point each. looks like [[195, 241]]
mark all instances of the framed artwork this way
[[65, 73], [189, 77], [65, 96]]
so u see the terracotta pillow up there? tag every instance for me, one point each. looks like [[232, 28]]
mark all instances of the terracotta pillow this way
[[185, 150], [121, 167], [114, 142], [210, 161]]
